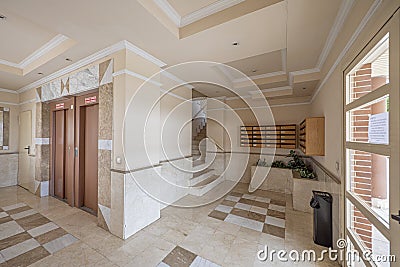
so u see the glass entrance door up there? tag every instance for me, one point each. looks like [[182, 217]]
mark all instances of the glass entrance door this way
[[372, 161]]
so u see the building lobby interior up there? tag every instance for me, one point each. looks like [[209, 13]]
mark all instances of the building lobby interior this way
[[200, 133]]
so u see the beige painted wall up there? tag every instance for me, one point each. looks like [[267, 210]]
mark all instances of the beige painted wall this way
[[175, 118], [328, 102]]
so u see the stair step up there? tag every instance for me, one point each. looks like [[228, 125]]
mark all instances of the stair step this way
[[205, 186], [198, 162], [201, 176], [205, 182], [200, 173]]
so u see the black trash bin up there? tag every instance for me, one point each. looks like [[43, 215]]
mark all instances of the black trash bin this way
[[321, 202]]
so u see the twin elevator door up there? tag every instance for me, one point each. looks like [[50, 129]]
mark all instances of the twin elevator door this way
[[74, 151]]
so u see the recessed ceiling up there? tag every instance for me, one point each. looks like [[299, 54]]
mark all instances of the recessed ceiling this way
[[260, 64], [21, 37], [280, 41], [185, 7]]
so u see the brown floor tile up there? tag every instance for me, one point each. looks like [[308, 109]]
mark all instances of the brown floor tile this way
[[13, 240], [276, 214], [29, 257], [218, 215], [228, 203], [49, 236], [254, 203], [18, 210], [179, 257], [5, 219], [274, 230], [246, 201], [278, 202], [32, 221], [248, 215]]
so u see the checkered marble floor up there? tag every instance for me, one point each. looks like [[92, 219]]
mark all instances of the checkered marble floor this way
[[26, 236], [263, 212], [180, 257]]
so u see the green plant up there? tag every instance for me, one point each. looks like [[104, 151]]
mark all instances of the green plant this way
[[297, 164], [279, 164]]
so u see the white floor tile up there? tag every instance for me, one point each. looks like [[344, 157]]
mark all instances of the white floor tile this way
[[15, 206], [201, 262], [224, 208], [276, 207], [18, 249], [275, 221], [43, 229], [259, 210], [232, 198], [242, 206], [9, 229], [246, 196], [263, 199], [251, 224], [23, 214], [162, 264], [60, 243]]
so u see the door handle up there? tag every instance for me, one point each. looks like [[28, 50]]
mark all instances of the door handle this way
[[28, 148], [396, 217]]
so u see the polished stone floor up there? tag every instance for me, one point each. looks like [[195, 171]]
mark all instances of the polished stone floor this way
[[188, 231]]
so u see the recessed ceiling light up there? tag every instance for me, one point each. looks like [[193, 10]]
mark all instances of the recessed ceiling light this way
[[253, 71], [40, 73], [68, 59], [304, 88], [2, 17], [235, 43]]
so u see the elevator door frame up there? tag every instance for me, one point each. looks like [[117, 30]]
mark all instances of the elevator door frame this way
[[68, 106], [81, 103]]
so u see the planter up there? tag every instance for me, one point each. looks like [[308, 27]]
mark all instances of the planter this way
[[302, 192], [277, 179]]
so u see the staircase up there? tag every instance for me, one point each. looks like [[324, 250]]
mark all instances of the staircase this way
[[205, 179]]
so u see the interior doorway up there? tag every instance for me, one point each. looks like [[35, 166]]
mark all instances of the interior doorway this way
[[25, 178]]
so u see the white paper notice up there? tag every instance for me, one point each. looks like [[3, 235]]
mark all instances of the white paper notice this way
[[378, 130]]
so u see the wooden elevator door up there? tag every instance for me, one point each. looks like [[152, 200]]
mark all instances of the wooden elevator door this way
[[90, 128]]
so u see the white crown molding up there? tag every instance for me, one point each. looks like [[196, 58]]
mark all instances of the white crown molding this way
[[172, 94], [172, 14], [276, 89], [8, 91], [56, 41], [53, 43], [92, 58], [136, 75], [262, 107], [197, 15], [176, 79], [133, 48], [261, 76], [352, 39], [341, 17], [301, 72], [208, 10]]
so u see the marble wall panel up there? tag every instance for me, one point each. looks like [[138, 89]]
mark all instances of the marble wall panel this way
[[9, 169]]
